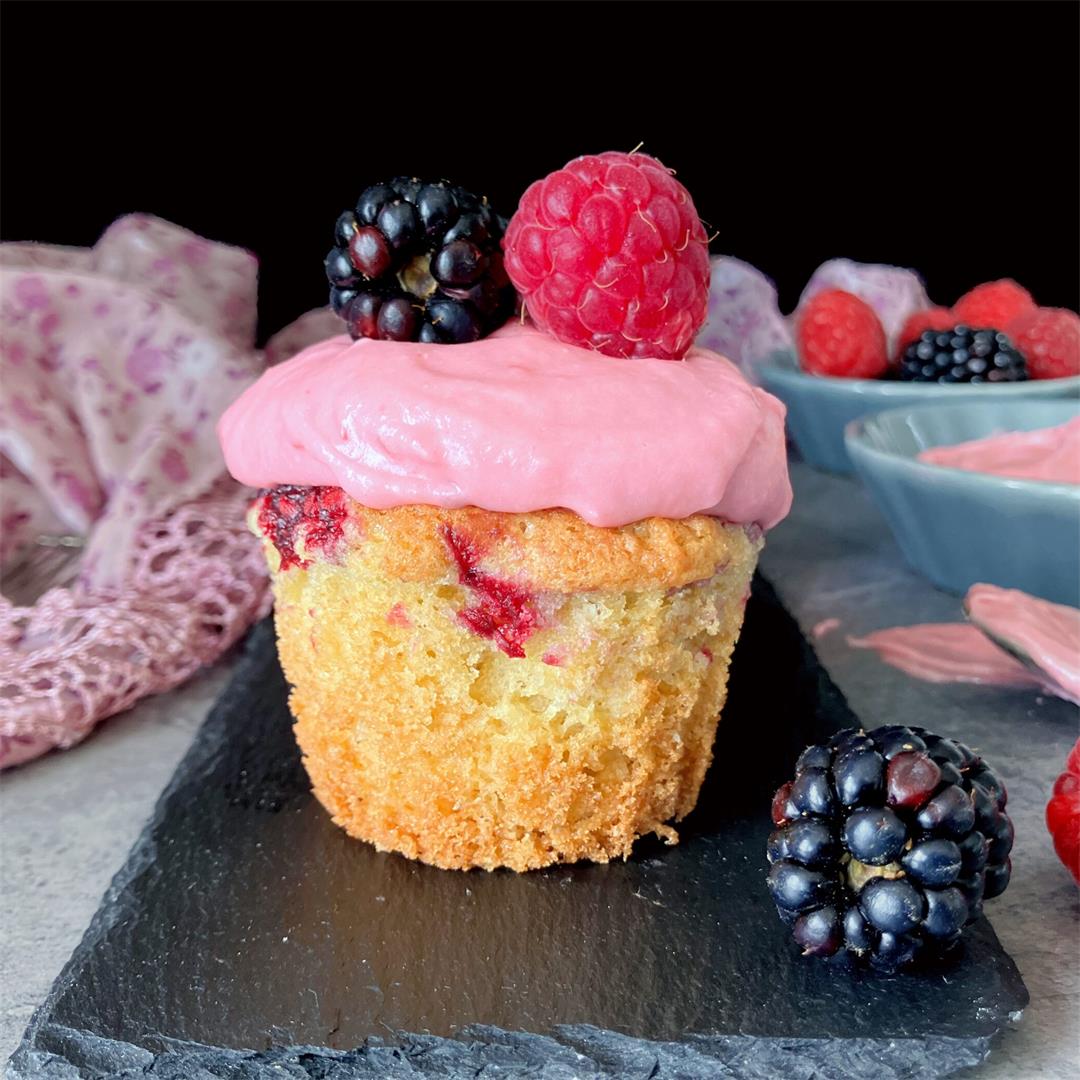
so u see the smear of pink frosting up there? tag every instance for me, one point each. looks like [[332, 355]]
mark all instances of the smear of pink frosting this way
[[515, 422], [947, 652], [1048, 633], [960, 652], [1049, 454]]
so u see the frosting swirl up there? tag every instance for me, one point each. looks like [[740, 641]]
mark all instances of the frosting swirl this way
[[515, 422], [1050, 454]]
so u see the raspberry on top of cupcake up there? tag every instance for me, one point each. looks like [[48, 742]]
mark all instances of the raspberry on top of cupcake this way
[[511, 555], [609, 253]]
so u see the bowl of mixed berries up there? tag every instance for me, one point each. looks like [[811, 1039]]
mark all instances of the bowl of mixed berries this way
[[994, 344]]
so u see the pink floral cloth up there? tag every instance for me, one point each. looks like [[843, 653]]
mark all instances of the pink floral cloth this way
[[743, 321], [116, 363]]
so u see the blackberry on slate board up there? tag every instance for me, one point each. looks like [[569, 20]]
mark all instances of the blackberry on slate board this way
[[419, 260], [887, 843], [962, 355]]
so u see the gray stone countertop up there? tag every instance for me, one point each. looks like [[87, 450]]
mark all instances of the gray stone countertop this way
[[68, 820]]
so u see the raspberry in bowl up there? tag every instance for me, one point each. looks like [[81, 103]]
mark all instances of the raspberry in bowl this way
[[861, 344], [507, 590]]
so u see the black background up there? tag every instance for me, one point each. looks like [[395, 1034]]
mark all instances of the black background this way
[[938, 136]]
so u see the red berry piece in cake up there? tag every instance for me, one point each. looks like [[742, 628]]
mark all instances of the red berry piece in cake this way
[[314, 517], [895, 865], [935, 318], [1049, 338], [419, 261], [962, 355], [398, 616], [501, 610], [994, 303], [1063, 814], [840, 335], [609, 253]]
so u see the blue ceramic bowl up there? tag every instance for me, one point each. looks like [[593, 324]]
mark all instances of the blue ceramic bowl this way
[[819, 407], [959, 527]]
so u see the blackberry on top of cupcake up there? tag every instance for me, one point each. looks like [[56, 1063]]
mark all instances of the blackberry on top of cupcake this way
[[419, 260]]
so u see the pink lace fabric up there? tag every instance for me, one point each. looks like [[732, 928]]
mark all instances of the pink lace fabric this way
[[116, 363], [197, 580]]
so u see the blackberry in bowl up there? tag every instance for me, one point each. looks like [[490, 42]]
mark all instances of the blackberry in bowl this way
[[419, 260], [962, 355], [887, 843]]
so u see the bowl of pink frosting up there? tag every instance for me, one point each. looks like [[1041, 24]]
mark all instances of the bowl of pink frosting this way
[[819, 407], [986, 492]]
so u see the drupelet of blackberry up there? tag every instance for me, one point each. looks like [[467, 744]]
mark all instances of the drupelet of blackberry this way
[[962, 355], [887, 843], [419, 260]]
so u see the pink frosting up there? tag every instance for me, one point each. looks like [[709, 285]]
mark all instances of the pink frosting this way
[[1051, 454], [515, 422], [1047, 634], [1005, 624], [947, 652]]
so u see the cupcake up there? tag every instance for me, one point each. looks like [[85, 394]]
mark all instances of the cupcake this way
[[509, 569]]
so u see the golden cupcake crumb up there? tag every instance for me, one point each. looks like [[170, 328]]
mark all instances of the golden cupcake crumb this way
[[477, 689]]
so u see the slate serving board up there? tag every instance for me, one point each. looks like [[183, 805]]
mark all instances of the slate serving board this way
[[248, 937]]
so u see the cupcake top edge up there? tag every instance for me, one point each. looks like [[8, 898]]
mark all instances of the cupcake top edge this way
[[515, 422]]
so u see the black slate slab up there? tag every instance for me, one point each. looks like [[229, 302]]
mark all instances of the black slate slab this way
[[248, 937]]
